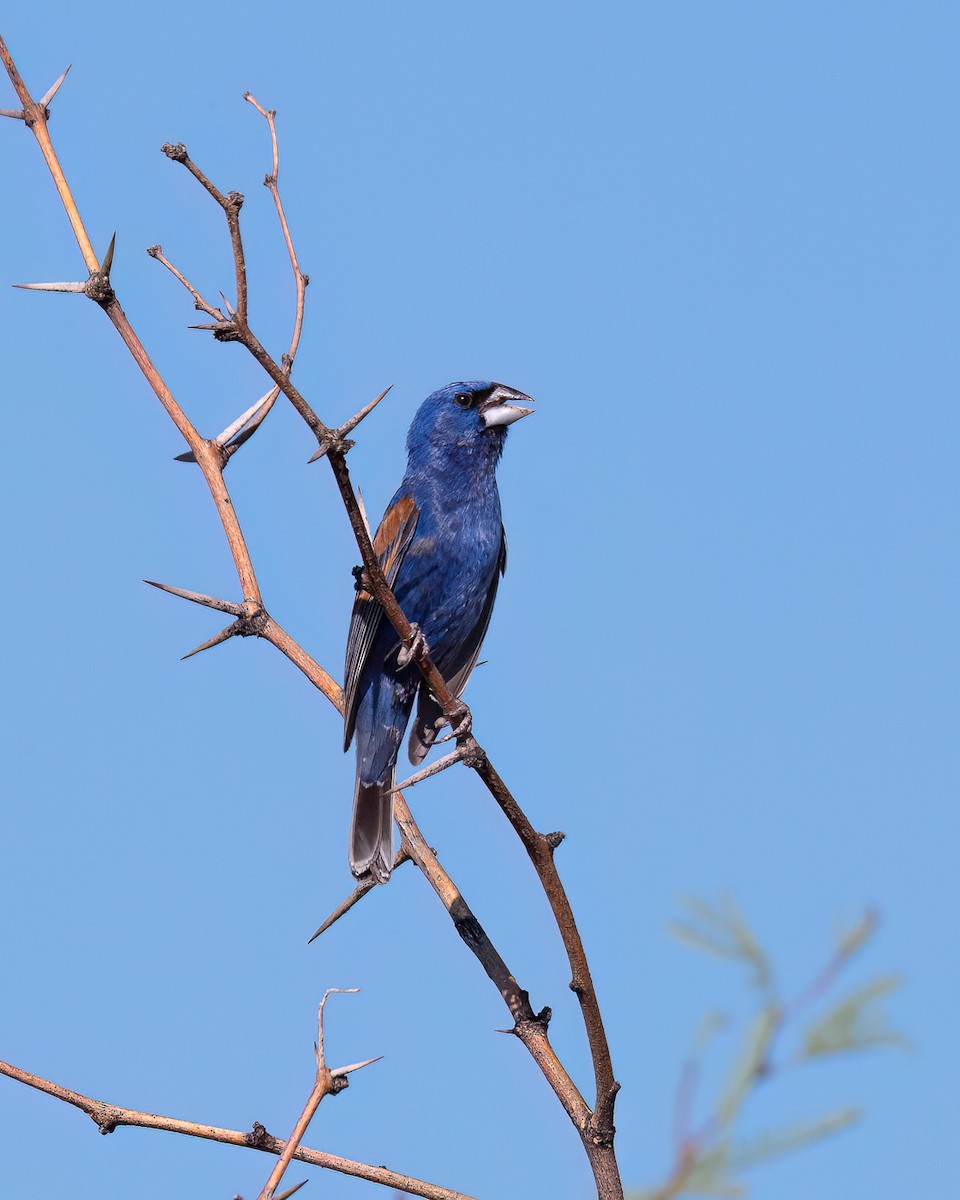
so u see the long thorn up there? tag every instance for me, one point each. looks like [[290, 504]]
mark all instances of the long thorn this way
[[289, 1192], [230, 631], [364, 886], [355, 1066], [108, 257], [363, 513], [253, 411], [355, 420], [434, 769], [54, 88], [235, 432], [51, 287], [16, 113], [227, 606]]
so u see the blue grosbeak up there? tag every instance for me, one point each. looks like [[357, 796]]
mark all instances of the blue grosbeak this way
[[442, 548]]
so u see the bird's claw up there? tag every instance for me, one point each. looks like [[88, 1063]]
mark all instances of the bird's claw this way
[[461, 723], [412, 648]]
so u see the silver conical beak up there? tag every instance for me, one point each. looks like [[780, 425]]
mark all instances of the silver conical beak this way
[[498, 409]]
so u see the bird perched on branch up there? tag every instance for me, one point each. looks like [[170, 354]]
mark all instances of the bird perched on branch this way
[[442, 549]]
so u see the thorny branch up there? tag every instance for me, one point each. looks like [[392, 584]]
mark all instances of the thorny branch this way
[[598, 1131], [327, 1083], [594, 1126], [109, 1117]]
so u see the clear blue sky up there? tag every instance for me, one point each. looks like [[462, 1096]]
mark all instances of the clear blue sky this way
[[718, 243]]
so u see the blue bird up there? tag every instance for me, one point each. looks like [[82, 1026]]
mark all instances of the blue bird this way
[[442, 548]]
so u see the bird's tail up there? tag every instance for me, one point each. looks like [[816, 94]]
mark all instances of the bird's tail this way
[[371, 831]]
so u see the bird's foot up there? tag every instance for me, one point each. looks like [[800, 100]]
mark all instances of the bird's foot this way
[[361, 582], [461, 723], [412, 648]]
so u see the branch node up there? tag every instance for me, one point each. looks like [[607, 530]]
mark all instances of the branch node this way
[[554, 839], [258, 1138], [472, 753], [176, 151], [338, 445], [235, 200], [536, 1024], [105, 1118]]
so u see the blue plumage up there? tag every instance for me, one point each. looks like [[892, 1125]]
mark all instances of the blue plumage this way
[[442, 548]]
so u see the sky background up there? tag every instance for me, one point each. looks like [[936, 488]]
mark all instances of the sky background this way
[[717, 242]]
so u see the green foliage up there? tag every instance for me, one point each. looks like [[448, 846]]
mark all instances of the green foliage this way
[[711, 1158], [722, 930], [854, 1023]]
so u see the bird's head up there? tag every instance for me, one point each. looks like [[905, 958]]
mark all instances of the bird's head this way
[[469, 416]]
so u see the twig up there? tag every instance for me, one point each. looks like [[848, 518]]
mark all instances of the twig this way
[[327, 1083], [109, 1117], [198, 301], [231, 203]]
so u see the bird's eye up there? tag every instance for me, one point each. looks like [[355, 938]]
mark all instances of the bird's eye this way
[[464, 399]]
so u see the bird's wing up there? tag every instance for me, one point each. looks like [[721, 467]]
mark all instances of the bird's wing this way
[[391, 541], [427, 725]]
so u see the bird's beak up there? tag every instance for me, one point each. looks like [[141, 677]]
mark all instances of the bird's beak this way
[[497, 409]]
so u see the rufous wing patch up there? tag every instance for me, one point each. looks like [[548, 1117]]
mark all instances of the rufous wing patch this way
[[389, 538]]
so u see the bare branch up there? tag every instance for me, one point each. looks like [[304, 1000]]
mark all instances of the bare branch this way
[[326, 1083], [198, 301], [441, 764], [109, 1117], [231, 203]]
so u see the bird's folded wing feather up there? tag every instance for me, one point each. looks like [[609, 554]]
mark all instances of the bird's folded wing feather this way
[[425, 728], [391, 541]]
